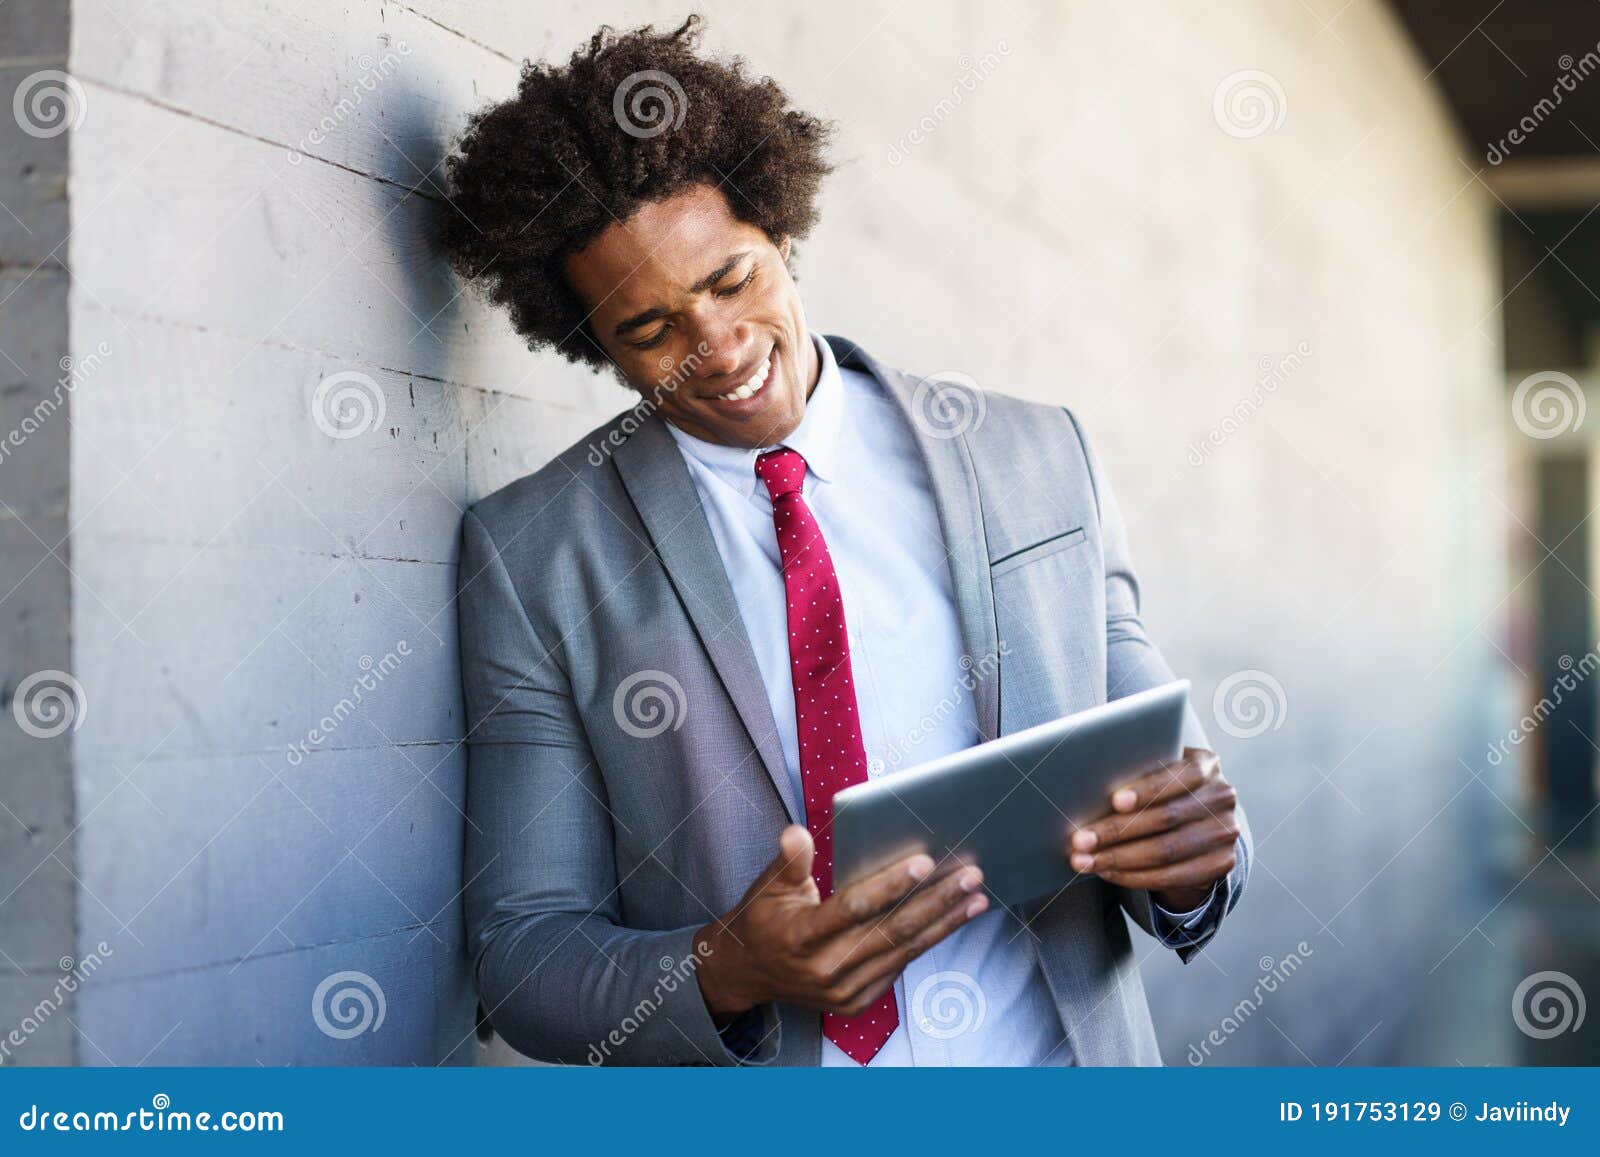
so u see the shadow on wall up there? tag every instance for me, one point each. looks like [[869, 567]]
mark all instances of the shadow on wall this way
[[270, 780]]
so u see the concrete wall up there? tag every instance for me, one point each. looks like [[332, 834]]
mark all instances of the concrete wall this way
[[1053, 198], [36, 801]]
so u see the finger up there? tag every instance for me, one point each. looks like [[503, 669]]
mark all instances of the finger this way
[[793, 861], [1168, 779], [1168, 847], [866, 898], [1186, 774], [946, 924], [862, 1000], [869, 979], [1188, 874], [1213, 798], [904, 922]]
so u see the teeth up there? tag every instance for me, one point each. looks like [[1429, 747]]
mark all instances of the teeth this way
[[755, 383]]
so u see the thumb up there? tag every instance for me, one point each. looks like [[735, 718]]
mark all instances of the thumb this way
[[795, 851]]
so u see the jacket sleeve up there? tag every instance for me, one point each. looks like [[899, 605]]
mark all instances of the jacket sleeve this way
[[558, 975], [1134, 664]]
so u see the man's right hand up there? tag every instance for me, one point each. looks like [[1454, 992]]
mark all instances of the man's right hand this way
[[785, 943]]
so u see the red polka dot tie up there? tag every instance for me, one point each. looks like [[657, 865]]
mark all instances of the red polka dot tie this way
[[832, 756]]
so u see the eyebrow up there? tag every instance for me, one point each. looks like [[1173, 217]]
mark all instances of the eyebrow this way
[[640, 320]]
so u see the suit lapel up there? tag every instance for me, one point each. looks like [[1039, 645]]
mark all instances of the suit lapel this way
[[955, 494], [658, 482]]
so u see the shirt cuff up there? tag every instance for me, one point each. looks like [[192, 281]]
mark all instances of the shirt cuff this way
[[743, 1035], [1173, 924]]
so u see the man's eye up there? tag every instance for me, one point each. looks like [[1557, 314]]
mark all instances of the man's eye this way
[[736, 289], [652, 341]]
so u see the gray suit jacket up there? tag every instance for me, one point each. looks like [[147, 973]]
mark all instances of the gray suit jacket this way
[[600, 837]]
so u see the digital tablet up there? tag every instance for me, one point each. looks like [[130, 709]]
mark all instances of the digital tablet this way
[[1009, 805]]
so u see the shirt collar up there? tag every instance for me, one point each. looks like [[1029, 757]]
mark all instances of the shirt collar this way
[[816, 438]]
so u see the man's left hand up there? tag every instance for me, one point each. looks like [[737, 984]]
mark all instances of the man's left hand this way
[[1171, 832]]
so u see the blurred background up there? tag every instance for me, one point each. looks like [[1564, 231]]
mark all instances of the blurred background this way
[[1322, 278]]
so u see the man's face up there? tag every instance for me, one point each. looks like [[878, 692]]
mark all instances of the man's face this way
[[699, 312]]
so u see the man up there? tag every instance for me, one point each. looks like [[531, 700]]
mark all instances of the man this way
[[789, 568]]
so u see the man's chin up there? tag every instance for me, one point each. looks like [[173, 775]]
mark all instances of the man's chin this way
[[763, 426]]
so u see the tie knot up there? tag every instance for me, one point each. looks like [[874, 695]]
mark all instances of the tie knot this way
[[783, 470]]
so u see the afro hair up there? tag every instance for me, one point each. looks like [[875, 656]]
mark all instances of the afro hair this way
[[632, 118]]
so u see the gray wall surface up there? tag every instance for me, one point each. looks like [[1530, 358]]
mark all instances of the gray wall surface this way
[[36, 380], [1144, 211]]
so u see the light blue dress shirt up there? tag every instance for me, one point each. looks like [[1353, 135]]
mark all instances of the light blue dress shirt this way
[[979, 996]]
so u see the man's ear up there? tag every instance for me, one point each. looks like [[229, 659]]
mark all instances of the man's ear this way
[[783, 248]]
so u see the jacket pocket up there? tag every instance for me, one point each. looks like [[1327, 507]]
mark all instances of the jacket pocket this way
[[1052, 545]]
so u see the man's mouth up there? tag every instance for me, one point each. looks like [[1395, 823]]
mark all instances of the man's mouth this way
[[751, 386]]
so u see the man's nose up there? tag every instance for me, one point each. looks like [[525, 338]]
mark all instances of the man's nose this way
[[723, 349]]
